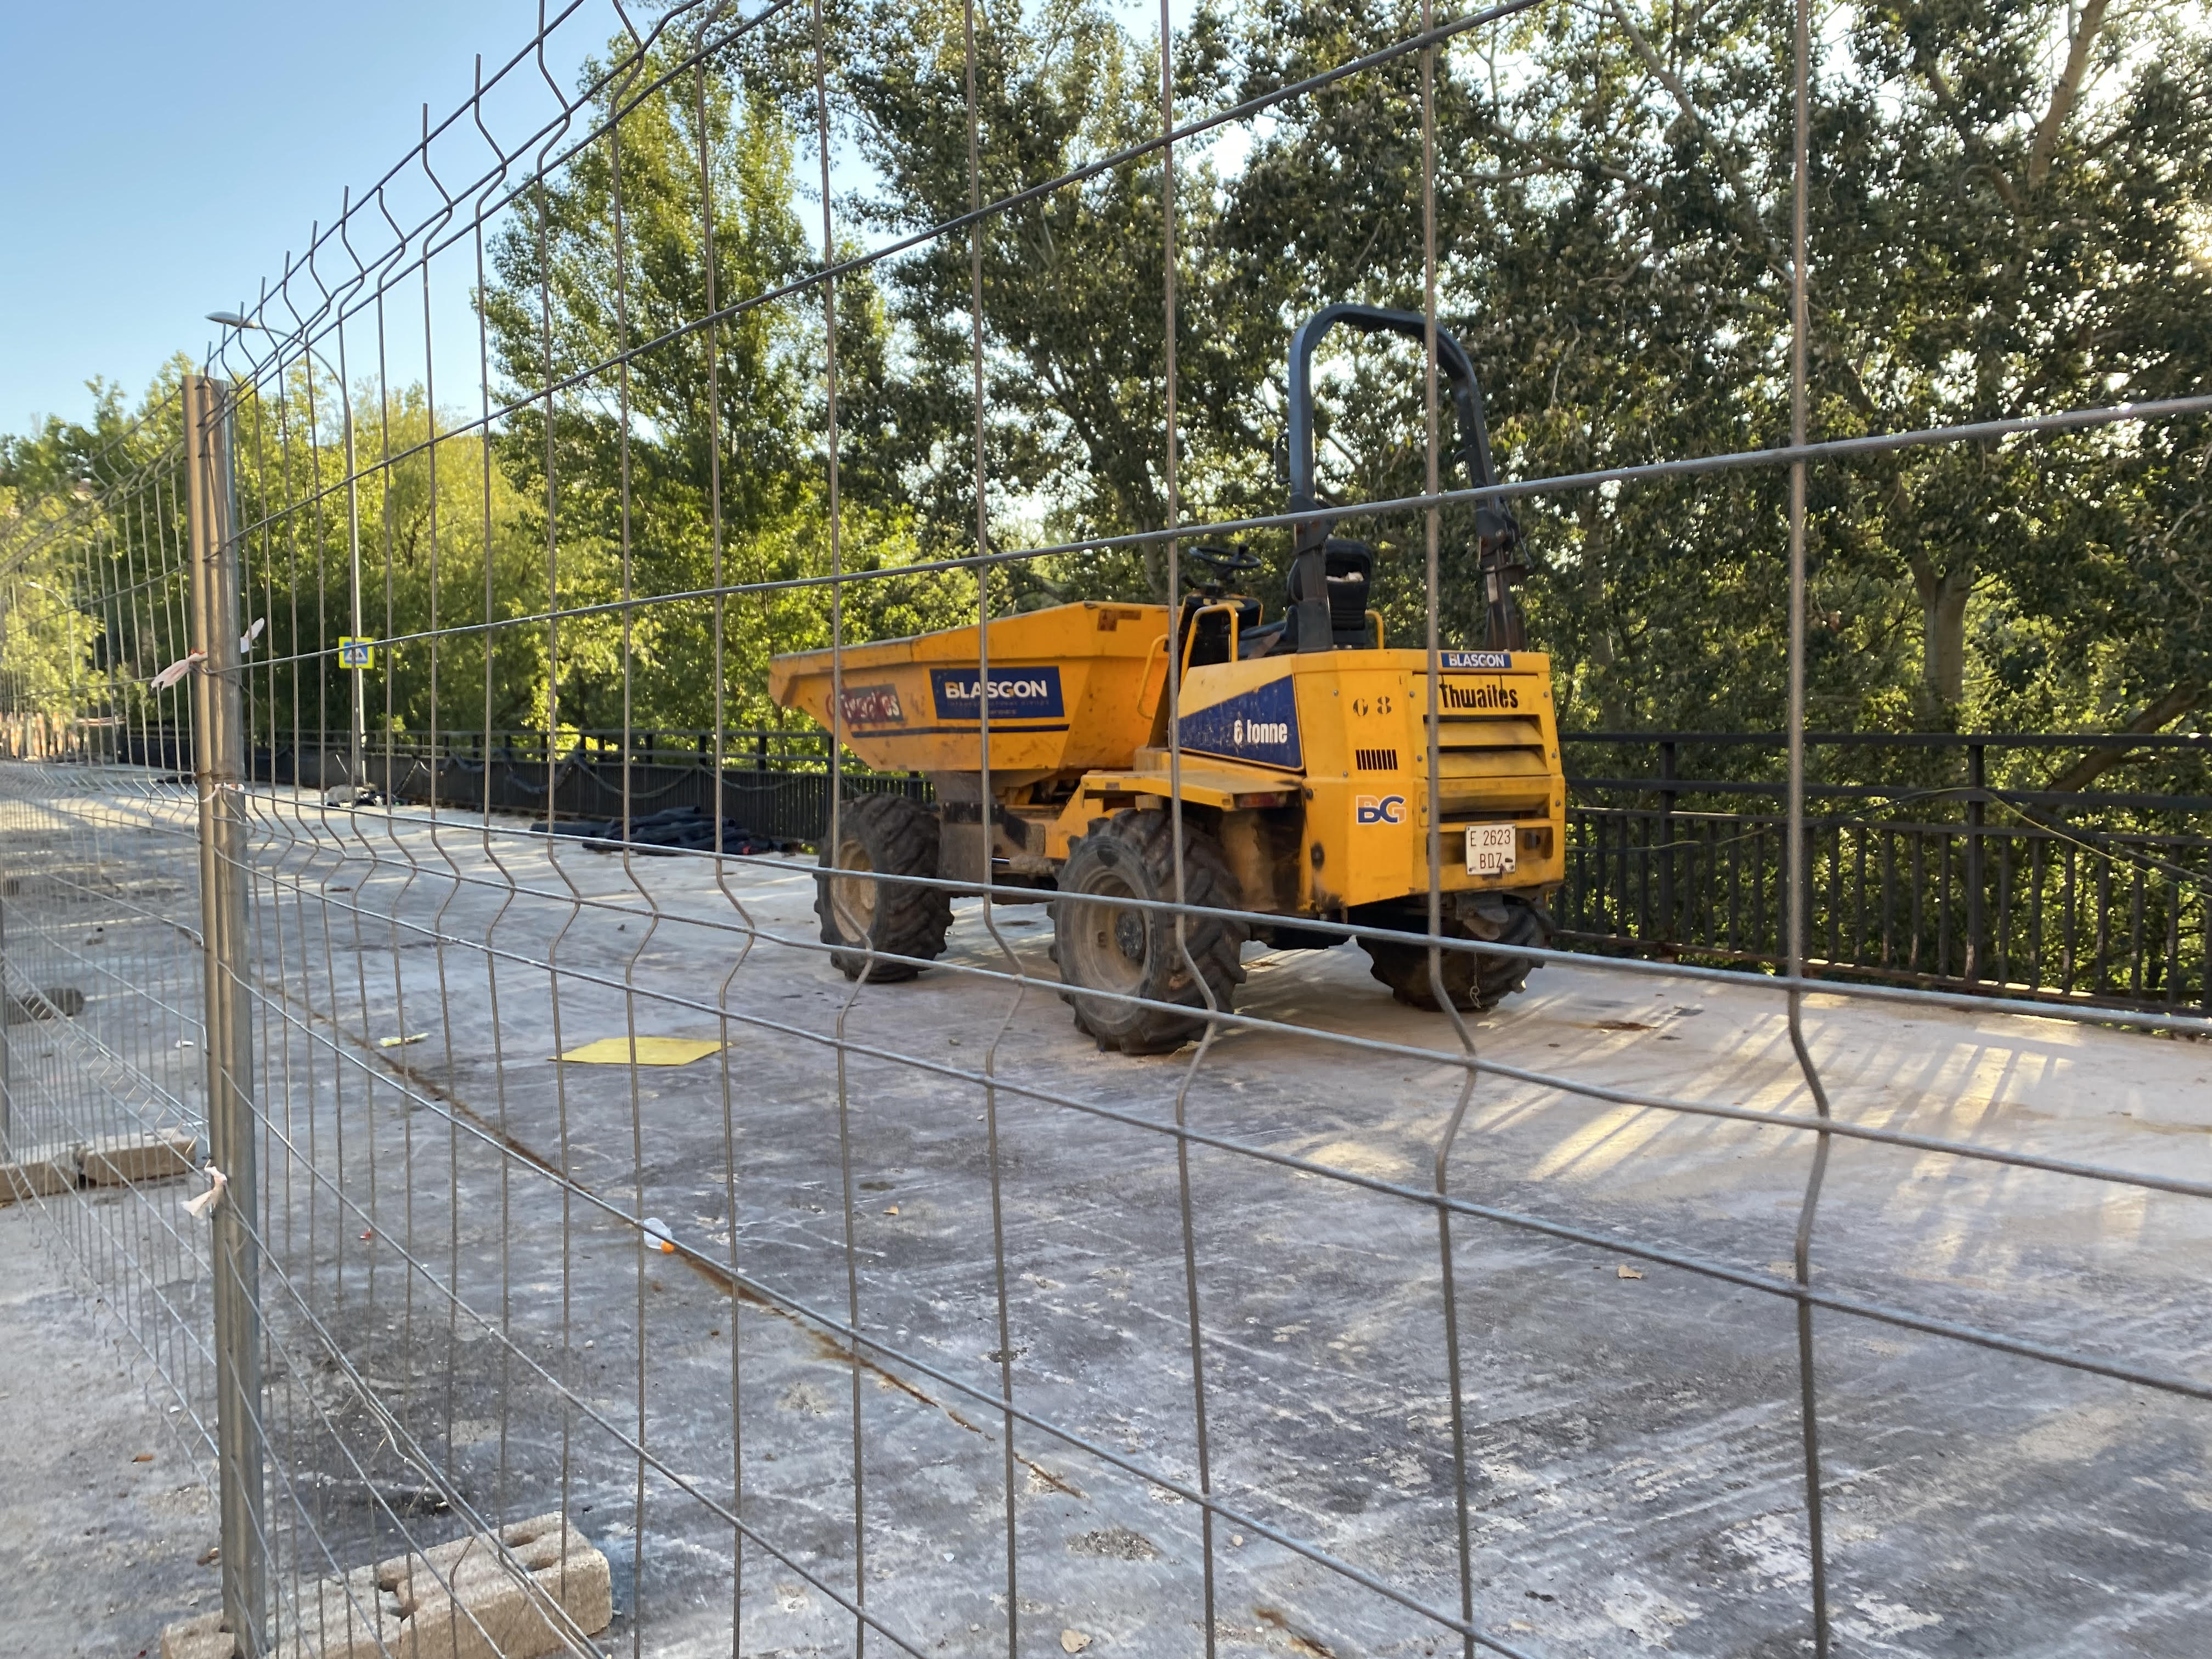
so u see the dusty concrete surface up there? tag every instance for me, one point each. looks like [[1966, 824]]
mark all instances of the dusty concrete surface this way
[[97, 1550], [453, 1325]]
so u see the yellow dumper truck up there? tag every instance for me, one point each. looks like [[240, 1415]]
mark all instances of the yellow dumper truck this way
[[1304, 781]]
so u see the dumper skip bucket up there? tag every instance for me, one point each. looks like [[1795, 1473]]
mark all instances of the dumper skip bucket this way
[[1071, 689]]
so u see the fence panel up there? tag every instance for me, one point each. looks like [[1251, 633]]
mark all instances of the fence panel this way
[[631, 1258]]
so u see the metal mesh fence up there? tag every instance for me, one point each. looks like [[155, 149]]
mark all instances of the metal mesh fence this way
[[643, 1212]]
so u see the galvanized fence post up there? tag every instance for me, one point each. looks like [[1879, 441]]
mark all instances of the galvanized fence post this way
[[1668, 797], [218, 750], [7, 1070], [1977, 818]]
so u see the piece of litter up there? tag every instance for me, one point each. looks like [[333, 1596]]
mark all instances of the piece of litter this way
[[369, 1235], [210, 1555], [1236, 1540], [951, 1556], [177, 669], [143, 1457], [1626, 1272], [657, 1236], [650, 1051], [196, 1207], [893, 1211], [246, 640], [1074, 1641], [402, 1041]]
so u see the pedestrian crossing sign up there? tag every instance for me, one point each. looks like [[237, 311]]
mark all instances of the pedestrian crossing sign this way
[[354, 651]]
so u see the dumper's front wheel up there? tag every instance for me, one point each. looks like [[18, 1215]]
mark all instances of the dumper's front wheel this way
[[1476, 980], [1104, 946], [880, 836]]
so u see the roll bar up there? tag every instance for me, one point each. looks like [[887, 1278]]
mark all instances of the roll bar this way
[[1495, 528]]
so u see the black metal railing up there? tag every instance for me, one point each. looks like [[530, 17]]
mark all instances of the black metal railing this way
[[775, 783], [759, 749], [1921, 870], [2020, 892]]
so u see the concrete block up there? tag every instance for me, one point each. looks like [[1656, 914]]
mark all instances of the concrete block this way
[[203, 1637], [112, 1161], [37, 1177], [461, 1600], [464, 1601], [348, 1617]]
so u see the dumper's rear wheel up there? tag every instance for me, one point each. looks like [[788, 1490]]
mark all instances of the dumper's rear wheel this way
[[881, 835], [1101, 946], [1473, 979]]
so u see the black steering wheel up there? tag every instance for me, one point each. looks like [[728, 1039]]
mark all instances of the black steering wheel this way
[[1224, 562]]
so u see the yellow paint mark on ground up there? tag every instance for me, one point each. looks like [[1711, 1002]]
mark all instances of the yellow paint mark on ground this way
[[651, 1051]]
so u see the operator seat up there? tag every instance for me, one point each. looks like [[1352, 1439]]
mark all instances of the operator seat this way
[[1327, 603]]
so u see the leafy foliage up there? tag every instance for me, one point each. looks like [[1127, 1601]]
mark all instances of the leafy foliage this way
[[2010, 215]]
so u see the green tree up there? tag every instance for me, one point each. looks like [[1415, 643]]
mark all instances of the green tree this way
[[87, 562], [1074, 311], [2016, 223], [707, 445], [1994, 233], [444, 546]]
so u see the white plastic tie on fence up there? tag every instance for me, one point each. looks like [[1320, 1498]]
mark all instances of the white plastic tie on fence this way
[[207, 1200], [246, 640], [177, 669]]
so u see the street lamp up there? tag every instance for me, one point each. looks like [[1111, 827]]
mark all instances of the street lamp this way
[[238, 320]]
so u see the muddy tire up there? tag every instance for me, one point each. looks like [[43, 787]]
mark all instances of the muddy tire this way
[[888, 836], [1103, 946], [1474, 982]]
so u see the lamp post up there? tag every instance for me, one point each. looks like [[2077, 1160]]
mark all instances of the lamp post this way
[[238, 320]]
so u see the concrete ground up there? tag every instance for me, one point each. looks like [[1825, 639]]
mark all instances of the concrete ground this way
[[456, 1330], [98, 1548]]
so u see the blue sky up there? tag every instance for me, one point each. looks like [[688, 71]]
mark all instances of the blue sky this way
[[165, 157]]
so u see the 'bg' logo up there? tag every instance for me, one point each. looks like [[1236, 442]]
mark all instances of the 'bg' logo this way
[[1391, 809]]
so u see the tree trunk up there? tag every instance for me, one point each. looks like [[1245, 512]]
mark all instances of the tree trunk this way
[[2093, 765], [2086, 27], [1943, 596]]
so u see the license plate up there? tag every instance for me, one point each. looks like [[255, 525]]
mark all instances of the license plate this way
[[1490, 849]]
